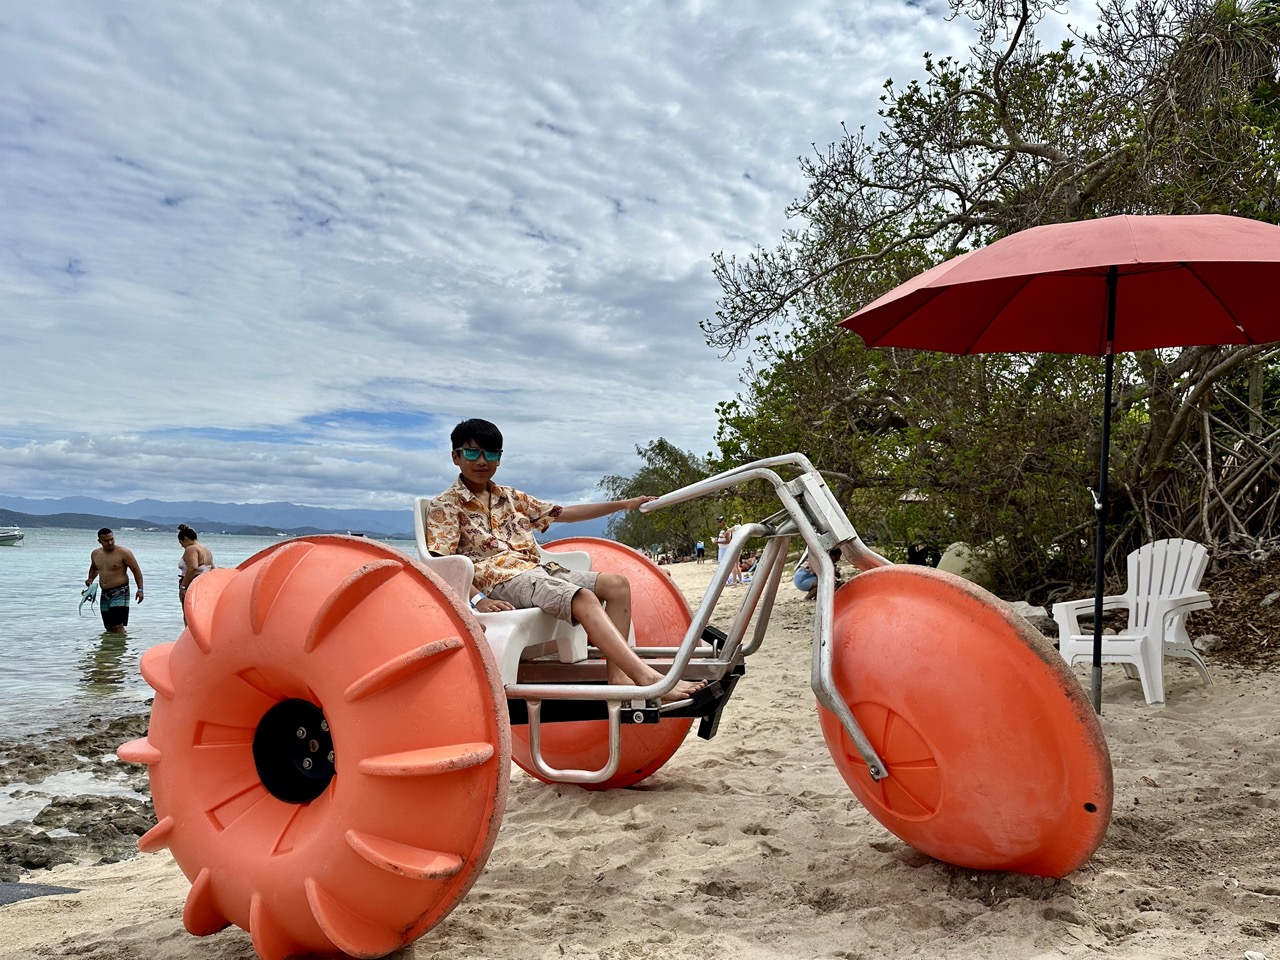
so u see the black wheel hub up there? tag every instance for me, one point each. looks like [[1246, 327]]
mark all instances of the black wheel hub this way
[[293, 751]]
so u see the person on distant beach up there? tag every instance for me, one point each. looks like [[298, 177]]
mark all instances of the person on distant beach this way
[[723, 536], [196, 559], [721, 539], [112, 564], [700, 551], [806, 578], [494, 526]]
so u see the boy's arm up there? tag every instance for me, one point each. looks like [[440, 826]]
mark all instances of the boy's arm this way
[[592, 511]]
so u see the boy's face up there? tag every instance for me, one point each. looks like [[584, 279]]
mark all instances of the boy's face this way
[[475, 473]]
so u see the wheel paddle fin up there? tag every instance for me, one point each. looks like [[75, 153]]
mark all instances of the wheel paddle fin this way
[[352, 592], [402, 859], [270, 580], [349, 931], [400, 668], [157, 838], [154, 667], [270, 942], [138, 751], [428, 761], [199, 915]]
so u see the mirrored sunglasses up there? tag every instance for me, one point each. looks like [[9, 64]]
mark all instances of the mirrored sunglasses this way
[[473, 454]]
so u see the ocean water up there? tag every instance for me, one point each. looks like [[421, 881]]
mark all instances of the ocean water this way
[[58, 666]]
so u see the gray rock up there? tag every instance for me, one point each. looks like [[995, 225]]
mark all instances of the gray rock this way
[[1207, 643], [964, 561], [1027, 610]]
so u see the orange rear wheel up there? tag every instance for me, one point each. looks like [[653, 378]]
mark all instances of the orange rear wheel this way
[[328, 749], [996, 759], [661, 617]]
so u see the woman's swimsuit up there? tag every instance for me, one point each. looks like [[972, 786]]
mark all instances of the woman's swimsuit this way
[[182, 572]]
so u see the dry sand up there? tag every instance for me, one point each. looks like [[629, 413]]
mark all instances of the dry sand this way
[[752, 846]]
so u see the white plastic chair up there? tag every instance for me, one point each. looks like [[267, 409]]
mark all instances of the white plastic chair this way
[[513, 635], [1163, 587]]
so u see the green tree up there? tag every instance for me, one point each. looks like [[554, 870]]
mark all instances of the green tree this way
[[1167, 106], [665, 467]]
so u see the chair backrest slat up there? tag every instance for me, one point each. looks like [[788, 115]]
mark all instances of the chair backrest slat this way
[[1163, 568]]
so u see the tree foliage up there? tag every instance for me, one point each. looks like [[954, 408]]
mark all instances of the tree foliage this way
[[1165, 106], [665, 467]]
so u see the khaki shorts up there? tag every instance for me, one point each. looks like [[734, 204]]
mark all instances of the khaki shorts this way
[[551, 593]]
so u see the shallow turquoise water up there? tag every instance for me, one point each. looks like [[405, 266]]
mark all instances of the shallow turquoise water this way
[[57, 667]]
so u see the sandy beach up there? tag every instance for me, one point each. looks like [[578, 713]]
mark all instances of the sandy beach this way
[[751, 845]]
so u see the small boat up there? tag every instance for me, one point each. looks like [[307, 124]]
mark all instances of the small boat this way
[[10, 535]]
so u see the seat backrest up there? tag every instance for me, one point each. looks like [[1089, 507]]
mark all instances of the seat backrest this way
[[1163, 568], [457, 571], [420, 505]]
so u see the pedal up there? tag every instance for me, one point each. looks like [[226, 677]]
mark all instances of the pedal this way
[[709, 725]]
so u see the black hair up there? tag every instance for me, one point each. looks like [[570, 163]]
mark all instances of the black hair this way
[[104, 531], [484, 433], [187, 533]]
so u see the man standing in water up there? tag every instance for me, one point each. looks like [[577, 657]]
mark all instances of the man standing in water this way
[[113, 564]]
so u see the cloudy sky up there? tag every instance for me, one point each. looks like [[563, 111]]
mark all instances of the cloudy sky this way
[[276, 250]]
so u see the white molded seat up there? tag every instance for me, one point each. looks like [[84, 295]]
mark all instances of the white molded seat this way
[[1163, 587], [513, 635]]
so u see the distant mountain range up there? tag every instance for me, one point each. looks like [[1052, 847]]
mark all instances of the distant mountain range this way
[[89, 513]]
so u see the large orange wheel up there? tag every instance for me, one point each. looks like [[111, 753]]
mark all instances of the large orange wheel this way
[[996, 759], [329, 750], [661, 617]]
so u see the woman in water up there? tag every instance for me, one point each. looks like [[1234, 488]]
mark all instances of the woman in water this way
[[196, 559]]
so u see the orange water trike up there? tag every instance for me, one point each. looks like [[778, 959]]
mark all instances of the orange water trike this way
[[331, 736]]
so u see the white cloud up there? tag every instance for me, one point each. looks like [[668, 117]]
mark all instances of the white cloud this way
[[275, 251]]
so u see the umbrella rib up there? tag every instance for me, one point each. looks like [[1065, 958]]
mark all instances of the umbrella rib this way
[[931, 294], [1214, 294], [1022, 285]]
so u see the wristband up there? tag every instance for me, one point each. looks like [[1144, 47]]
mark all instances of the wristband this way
[[476, 599]]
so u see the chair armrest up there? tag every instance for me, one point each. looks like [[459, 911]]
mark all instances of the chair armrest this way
[[1067, 613], [1183, 604], [570, 559], [419, 525], [456, 571]]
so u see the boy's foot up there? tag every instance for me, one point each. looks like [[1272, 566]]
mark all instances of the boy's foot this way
[[681, 691], [684, 690]]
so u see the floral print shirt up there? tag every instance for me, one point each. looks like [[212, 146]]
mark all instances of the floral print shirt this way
[[496, 532]]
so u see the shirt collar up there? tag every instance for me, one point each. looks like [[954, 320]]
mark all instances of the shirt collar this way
[[467, 493]]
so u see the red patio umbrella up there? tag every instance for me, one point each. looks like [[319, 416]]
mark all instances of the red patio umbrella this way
[[1092, 287]]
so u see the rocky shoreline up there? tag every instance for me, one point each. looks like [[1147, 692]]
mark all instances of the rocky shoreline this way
[[84, 827]]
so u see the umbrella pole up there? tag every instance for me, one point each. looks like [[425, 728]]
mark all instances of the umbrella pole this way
[[1100, 544], [1100, 538]]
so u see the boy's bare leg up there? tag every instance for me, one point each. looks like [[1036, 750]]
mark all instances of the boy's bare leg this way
[[623, 664], [614, 591]]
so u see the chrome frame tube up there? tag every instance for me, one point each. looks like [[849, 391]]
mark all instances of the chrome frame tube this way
[[575, 776], [824, 510]]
